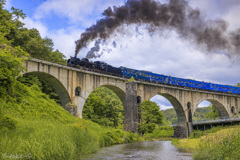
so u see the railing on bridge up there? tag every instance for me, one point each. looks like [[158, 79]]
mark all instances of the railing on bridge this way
[[210, 121], [218, 120]]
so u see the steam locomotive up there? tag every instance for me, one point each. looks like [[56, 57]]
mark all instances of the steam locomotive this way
[[149, 76]]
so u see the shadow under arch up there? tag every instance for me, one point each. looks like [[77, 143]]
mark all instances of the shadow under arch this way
[[56, 84], [177, 106], [118, 91], [222, 110]]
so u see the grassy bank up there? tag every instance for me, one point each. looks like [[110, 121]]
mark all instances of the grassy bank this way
[[217, 143], [160, 132], [34, 126]]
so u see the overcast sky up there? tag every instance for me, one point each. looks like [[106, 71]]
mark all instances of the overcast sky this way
[[165, 53]]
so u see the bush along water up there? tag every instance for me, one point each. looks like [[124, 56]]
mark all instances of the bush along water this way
[[160, 132]]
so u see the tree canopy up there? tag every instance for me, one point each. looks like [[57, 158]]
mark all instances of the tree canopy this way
[[104, 107], [13, 32], [151, 115]]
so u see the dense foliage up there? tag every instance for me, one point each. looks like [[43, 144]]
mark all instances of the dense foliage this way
[[13, 32], [104, 107], [214, 113], [150, 116]]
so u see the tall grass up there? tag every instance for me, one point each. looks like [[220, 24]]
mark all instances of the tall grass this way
[[218, 143], [32, 126], [224, 144], [44, 139]]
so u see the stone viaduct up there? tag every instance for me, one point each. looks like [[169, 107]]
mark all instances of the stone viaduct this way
[[75, 85]]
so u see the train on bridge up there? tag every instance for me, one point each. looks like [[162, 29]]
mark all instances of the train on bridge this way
[[99, 66]]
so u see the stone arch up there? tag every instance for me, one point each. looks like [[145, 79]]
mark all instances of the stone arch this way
[[220, 107], [177, 106], [118, 91], [57, 85], [82, 100]]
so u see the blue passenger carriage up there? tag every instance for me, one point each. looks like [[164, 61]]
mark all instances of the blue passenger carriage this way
[[153, 77], [149, 76]]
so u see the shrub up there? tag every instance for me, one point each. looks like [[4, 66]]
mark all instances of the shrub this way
[[8, 123]]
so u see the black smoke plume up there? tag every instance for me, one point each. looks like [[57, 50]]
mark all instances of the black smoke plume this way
[[177, 15]]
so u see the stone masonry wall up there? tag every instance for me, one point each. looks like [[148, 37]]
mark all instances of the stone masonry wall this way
[[130, 108]]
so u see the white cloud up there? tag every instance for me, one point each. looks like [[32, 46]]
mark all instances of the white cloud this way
[[204, 104], [162, 102], [215, 9], [30, 23], [76, 11], [8, 4], [64, 40], [232, 18]]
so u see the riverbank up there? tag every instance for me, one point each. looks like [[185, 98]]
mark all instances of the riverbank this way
[[216, 143], [34, 126]]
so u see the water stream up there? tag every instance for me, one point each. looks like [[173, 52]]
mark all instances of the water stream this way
[[146, 150]]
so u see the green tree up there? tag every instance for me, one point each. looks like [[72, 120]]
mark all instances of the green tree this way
[[12, 31], [214, 113], [151, 115], [104, 107], [10, 68]]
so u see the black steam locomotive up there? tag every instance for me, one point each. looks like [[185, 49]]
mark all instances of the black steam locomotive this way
[[95, 66]]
